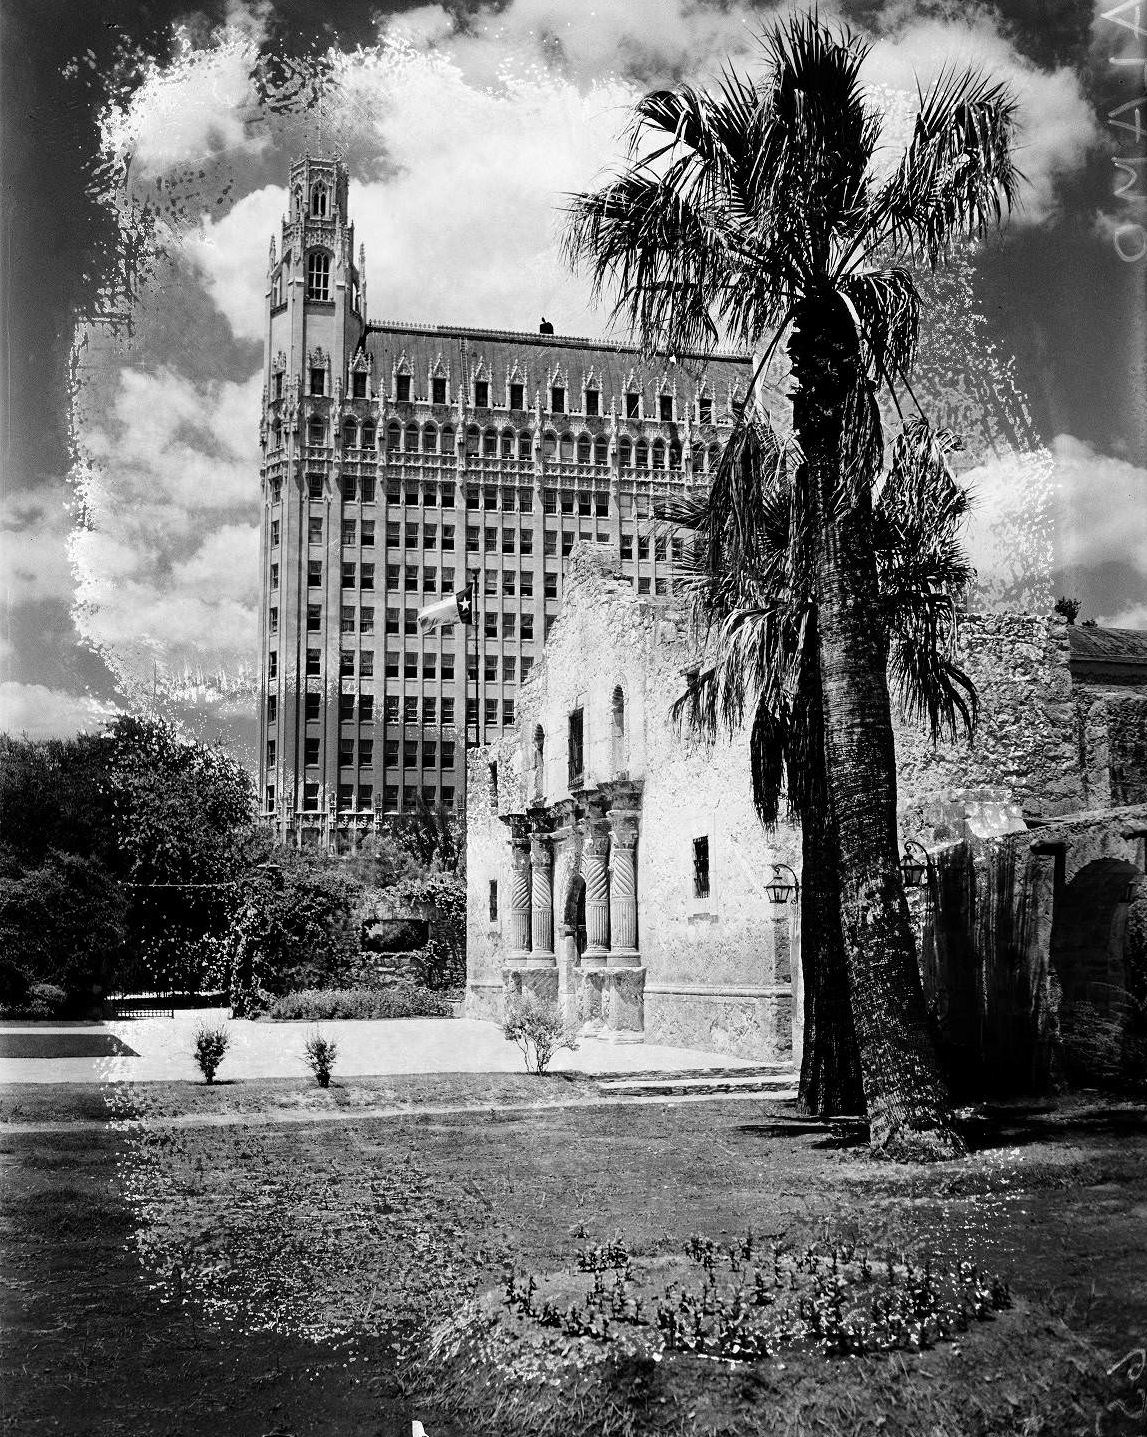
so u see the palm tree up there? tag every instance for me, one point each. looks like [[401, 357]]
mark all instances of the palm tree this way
[[756, 210], [751, 595]]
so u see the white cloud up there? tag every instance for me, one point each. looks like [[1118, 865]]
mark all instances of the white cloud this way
[[1102, 507], [34, 547], [167, 561], [42, 712], [1134, 617], [200, 105]]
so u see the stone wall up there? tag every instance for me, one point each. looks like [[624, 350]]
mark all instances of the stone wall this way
[[487, 860], [1026, 742], [1112, 724]]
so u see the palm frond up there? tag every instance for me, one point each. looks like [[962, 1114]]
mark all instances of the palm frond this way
[[958, 177], [886, 307]]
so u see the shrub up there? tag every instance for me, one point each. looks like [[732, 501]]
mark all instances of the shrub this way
[[323, 1004], [538, 1029], [210, 1045], [320, 1054]]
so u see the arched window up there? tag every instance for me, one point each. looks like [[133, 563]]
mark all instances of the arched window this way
[[350, 435], [320, 202], [507, 444], [473, 441], [625, 453], [525, 444], [429, 439], [674, 457], [714, 457], [539, 760], [411, 443], [315, 435], [277, 434], [318, 275], [698, 455], [619, 747], [277, 290], [641, 455], [393, 437], [549, 445], [446, 440], [601, 451], [658, 454], [583, 449], [567, 449], [368, 436], [490, 443]]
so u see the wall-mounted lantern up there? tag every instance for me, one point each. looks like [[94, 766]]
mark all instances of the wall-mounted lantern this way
[[915, 870], [779, 889]]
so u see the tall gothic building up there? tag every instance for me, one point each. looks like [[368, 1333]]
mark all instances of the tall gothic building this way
[[400, 460]]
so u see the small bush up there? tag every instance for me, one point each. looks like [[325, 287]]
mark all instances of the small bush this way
[[320, 1054], [318, 1005], [42, 1000], [538, 1029], [210, 1046]]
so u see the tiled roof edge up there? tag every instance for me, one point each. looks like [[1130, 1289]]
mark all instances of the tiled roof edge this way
[[395, 326]]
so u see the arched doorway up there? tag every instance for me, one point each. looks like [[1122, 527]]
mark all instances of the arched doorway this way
[[1088, 961], [574, 915]]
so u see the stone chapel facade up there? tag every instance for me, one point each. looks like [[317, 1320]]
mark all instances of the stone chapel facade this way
[[616, 867]]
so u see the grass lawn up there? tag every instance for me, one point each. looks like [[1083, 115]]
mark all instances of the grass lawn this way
[[205, 1279]]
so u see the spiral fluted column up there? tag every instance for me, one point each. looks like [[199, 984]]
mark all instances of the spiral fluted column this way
[[520, 885], [623, 889], [595, 871], [542, 898]]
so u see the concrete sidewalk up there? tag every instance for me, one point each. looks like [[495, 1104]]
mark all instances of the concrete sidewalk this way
[[162, 1048]]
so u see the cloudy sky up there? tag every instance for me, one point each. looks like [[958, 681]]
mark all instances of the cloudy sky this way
[[151, 150]]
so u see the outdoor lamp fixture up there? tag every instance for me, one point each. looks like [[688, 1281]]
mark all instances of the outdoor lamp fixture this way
[[915, 870], [779, 890]]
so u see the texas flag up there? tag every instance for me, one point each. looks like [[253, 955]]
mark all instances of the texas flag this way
[[457, 609]]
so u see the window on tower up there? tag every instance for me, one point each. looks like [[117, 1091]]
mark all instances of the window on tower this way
[[320, 201], [319, 276]]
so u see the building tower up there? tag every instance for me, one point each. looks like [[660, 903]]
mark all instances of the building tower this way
[[399, 460]]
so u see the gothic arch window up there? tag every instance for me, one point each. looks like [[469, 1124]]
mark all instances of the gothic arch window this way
[[714, 457], [429, 439], [473, 441], [368, 433], [507, 443], [641, 455], [393, 437], [411, 439], [583, 449], [698, 458], [674, 457], [446, 440], [315, 427], [549, 444], [619, 739], [525, 444], [318, 275], [277, 290], [658, 454], [277, 434], [297, 204], [350, 435], [490, 443], [625, 453], [320, 200], [601, 452], [567, 449]]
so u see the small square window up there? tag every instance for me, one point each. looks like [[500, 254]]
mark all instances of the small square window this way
[[368, 533], [314, 574], [701, 867]]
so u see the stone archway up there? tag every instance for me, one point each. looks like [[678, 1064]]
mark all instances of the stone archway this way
[[1089, 962]]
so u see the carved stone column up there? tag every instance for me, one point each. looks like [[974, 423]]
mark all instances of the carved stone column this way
[[539, 971], [542, 897], [623, 889], [595, 871], [520, 884]]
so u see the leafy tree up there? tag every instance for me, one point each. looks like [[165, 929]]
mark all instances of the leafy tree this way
[[442, 898], [62, 922], [298, 926], [1068, 608], [752, 596], [758, 208]]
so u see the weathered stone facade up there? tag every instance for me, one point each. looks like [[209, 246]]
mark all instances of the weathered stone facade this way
[[588, 831]]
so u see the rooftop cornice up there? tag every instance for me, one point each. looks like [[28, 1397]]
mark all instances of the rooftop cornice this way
[[572, 341]]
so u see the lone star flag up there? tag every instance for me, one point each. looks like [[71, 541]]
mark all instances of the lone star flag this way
[[455, 610]]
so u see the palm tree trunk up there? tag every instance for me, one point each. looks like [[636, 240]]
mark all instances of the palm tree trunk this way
[[830, 1083], [909, 1110]]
